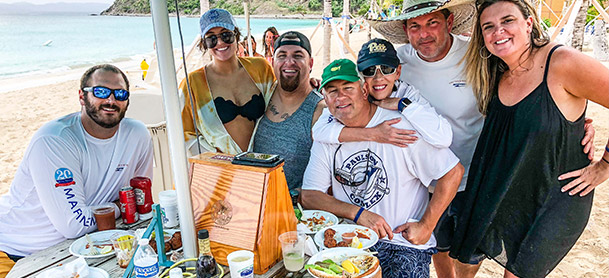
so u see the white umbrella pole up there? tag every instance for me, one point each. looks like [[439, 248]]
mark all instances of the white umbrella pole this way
[[177, 148]]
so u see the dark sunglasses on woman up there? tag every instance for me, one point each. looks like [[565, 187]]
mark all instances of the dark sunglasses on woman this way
[[371, 71], [212, 40], [103, 92]]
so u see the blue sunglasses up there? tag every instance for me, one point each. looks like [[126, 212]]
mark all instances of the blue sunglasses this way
[[103, 92]]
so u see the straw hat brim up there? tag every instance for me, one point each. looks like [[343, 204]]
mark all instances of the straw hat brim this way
[[392, 29]]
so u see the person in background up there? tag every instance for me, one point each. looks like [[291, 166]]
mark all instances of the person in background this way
[[254, 51], [378, 63], [71, 165], [380, 186], [521, 209], [269, 41], [224, 99], [295, 105], [144, 66], [242, 49]]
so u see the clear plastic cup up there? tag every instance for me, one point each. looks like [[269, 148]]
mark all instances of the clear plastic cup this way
[[104, 216], [124, 247], [292, 248]]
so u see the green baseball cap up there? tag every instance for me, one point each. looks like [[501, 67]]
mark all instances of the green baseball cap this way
[[341, 69]]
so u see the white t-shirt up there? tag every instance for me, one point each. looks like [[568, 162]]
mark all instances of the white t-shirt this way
[[64, 172], [396, 187], [425, 120], [443, 84]]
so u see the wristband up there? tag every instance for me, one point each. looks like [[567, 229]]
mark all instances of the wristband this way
[[603, 159], [606, 148], [359, 212], [403, 103]]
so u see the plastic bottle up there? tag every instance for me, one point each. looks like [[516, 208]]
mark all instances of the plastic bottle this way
[[145, 261], [206, 264]]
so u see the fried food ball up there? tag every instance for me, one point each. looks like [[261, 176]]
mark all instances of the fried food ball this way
[[343, 244], [330, 242], [176, 241], [329, 233]]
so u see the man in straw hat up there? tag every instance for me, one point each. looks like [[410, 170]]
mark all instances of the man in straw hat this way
[[431, 62]]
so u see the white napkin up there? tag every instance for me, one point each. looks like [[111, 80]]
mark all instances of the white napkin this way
[[75, 268], [310, 247]]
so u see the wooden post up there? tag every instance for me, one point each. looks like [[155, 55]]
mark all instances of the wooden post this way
[[562, 22], [346, 17], [327, 31], [203, 6], [246, 8]]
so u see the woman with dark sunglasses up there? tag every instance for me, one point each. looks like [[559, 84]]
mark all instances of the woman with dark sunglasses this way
[[380, 67], [229, 94], [521, 210]]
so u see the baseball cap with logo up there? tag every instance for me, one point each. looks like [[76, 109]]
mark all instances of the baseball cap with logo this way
[[216, 18], [293, 38], [341, 69], [377, 52]]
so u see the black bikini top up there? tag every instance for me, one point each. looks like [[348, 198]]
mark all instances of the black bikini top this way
[[227, 110]]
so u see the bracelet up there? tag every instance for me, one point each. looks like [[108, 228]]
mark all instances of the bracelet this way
[[606, 148], [403, 103], [603, 159], [359, 212]]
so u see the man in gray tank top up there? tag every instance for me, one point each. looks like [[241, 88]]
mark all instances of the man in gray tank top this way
[[285, 128]]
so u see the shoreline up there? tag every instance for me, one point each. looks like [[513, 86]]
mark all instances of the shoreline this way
[[263, 16]]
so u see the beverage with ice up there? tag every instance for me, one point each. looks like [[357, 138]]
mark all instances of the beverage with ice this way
[[292, 248], [293, 261]]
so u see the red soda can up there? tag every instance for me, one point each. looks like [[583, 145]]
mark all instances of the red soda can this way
[[143, 196], [126, 197]]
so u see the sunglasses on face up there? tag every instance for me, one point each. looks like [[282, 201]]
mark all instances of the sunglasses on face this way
[[371, 71], [212, 40], [103, 92], [348, 179]]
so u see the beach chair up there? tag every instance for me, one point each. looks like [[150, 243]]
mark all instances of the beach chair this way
[[147, 106]]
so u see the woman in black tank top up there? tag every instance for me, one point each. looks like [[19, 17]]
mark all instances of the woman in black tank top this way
[[522, 210]]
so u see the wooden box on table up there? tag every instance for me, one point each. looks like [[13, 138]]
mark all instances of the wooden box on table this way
[[243, 207]]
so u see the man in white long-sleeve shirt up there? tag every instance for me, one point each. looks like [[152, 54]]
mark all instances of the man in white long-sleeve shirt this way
[[72, 164]]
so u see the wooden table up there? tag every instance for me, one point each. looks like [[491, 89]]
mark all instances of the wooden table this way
[[59, 254]]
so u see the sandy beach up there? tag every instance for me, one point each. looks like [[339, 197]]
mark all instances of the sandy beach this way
[[30, 101]]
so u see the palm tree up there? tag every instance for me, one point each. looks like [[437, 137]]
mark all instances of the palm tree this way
[[577, 41]]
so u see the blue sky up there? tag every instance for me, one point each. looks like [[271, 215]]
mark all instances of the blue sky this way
[[56, 1]]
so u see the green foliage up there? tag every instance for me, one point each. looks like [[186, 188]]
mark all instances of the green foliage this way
[[546, 23], [358, 7], [315, 5]]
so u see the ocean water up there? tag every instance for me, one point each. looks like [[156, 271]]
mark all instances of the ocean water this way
[[82, 40]]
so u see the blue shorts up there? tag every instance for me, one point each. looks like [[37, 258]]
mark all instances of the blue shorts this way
[[399, 261]]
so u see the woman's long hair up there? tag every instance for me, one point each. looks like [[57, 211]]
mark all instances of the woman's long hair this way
[[267, 49], [484, 73]]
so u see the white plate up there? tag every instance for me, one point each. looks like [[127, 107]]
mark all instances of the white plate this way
[[307, 214], [346, 228], [338, 252], [79, 247]]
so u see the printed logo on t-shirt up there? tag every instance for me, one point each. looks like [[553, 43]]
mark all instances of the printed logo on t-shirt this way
[[364, 178], [458, 83], [64, 177], [121, 167]]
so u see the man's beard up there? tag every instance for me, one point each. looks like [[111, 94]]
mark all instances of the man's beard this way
[[95, 113], [289, 84]]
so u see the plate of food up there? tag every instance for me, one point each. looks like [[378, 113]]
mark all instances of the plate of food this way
[[101, 244], [312, 221], [346, 235], [172, 239], [343, 262]]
